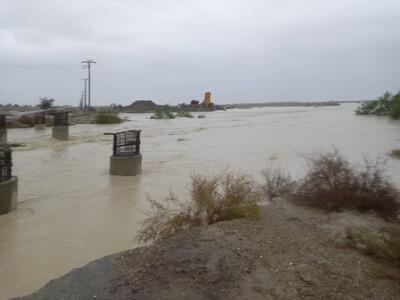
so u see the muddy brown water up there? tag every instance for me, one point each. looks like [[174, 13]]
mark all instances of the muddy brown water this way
[[71, 211]]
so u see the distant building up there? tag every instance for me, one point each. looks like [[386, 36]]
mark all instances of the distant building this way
[[207, 99]]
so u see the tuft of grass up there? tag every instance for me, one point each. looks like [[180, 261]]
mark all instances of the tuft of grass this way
[[395, 153], [212, 199], [106, 117], [333, 184], [277, 183], [382, 245]]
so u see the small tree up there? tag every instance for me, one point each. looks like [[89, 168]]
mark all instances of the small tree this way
[[46, 103]]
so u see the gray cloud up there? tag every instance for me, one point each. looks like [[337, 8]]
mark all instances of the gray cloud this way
[[172, 51]]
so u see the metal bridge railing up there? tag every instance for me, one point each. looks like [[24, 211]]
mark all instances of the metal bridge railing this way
[[5, 162], [126, 143]]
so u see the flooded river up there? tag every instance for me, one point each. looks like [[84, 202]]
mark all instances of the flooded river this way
[[71, 211]]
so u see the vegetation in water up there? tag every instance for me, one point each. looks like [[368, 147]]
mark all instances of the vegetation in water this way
[[387, 105], [164, 112], [212, 199], [183, 114], [107, 117]]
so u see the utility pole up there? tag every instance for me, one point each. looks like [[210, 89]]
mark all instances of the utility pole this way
[[85, 94], [87, 64], [81, 102]]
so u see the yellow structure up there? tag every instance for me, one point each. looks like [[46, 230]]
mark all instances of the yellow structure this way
[[207, 98]]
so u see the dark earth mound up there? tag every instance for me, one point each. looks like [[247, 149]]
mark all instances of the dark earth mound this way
[[141, 106]]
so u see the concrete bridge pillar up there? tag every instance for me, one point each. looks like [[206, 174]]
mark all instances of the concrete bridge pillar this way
[[61, 127], [8, 195], [60, 132], [40, 120], [126, 165], [8, 183], [3, 135]]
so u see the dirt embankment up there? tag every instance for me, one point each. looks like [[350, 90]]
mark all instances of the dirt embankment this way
[[291, 253]]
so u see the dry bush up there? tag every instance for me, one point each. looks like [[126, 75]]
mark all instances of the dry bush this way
[[333, 184], [278, 183], [395, 153], [212, 199], [27, 120], [383, 245]]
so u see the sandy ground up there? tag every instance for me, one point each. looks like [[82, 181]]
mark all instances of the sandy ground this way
[[290, 253]]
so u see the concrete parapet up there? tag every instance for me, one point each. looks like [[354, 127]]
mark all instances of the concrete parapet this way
[[8, 195], [61, 132], [3, 135], [129, 165]]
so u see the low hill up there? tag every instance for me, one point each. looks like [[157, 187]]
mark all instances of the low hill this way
[[141, 106]]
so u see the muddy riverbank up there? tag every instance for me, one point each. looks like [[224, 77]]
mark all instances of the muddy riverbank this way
[[292, 252]]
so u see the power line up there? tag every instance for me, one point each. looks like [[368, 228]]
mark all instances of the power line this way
[[37, 66]]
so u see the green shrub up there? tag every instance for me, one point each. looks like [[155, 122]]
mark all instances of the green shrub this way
[[212, 199], [333, 184], [107, 118]]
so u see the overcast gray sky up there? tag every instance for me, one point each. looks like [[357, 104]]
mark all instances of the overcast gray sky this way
[[174, 50]]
